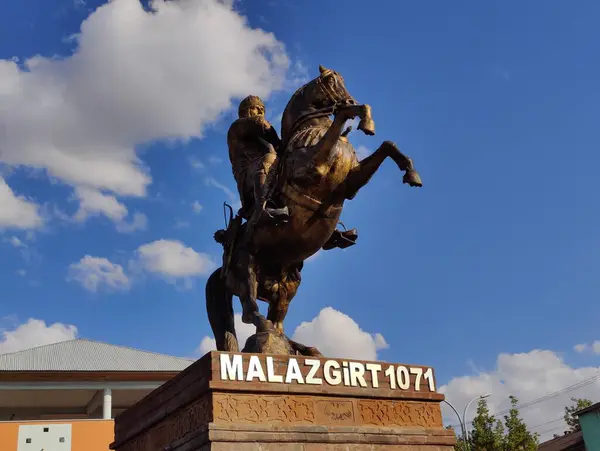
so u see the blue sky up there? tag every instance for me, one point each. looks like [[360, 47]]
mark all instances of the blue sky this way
[[497, 104]]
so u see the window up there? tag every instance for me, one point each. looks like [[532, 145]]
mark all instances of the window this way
[[61, 440], [27, 440], [46, 429]]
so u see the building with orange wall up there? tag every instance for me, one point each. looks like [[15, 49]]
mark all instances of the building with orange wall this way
[[64, 396]]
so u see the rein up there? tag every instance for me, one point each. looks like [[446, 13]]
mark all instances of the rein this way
[[316, 114]]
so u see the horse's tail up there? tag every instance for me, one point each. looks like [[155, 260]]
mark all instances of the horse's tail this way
[[219, 307]]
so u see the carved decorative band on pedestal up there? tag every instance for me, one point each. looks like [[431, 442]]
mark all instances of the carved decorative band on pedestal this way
[[286, 410], [187, 420]]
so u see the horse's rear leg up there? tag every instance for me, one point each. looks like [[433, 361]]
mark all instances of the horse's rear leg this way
[[361, 174], [219, 307], [248, 294]]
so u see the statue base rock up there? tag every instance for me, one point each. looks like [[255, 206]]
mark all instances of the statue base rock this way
[[252, 402], [268, 342]]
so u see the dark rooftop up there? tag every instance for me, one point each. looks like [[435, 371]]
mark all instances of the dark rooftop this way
[[572, 441]]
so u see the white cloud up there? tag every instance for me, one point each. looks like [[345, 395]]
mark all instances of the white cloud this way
[[363, 152], [233, 197], [182, 225], [242, 332], [594, 347], [337, 335], [196, 207], [138, 222], [92, 202], [172, 259], [93, 273], [206, 345], [331, 332], [15, 211], [196, 164], [79, 118], [34, 333], [14, 241], [27, 251], [528, 376]]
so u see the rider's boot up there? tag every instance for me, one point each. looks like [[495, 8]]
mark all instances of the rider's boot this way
[[267, 213], [342, 239]]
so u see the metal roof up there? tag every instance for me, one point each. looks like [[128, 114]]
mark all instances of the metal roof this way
[[572, 441], [88, 355]]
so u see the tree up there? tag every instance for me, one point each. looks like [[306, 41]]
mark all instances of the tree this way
[[499, 435], [518, 437], [572, 420], [486, 434], [461, 444]]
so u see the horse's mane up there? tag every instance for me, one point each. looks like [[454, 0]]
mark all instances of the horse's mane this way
[[306, 108], [287, 128]]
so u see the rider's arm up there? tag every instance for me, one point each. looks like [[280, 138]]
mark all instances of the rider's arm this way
[[273, 138]]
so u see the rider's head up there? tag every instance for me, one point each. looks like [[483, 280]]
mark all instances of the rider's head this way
[[251, 106]]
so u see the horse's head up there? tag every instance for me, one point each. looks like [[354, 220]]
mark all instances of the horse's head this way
[[317, 96]]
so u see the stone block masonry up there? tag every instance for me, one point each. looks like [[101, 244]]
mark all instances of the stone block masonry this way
[[252, 402]]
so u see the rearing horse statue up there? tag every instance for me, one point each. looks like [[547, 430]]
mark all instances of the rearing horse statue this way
[[316, 173]]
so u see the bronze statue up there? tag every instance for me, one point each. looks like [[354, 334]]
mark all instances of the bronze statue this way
[[253, 148], [295, 188]]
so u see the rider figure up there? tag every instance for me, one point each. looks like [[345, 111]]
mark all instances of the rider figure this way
[[253, 149], [253, 146]]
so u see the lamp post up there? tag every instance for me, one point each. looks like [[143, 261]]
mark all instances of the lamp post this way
[[464, 418], [460, 421]]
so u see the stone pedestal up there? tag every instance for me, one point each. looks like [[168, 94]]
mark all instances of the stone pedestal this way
[[249, 402]]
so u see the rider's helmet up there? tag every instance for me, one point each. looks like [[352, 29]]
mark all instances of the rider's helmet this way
[[251, 103]]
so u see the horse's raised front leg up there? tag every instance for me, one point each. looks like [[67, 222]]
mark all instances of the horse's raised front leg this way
[[342, 114], [361, 174]]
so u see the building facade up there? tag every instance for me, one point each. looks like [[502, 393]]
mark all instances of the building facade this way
[[64, 396], [589, 420]]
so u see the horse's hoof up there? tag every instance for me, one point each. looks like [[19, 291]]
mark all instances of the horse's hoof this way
[[367, 126], [412, 178], [265, 326], [231, 343], [313, 352], [252, 317]]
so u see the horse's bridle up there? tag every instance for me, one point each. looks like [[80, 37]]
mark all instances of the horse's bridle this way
[[330, 95]]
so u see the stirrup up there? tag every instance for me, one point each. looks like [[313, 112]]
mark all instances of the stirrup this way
[[342, 239], [277, 212], [348, 238], [277, 216]]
